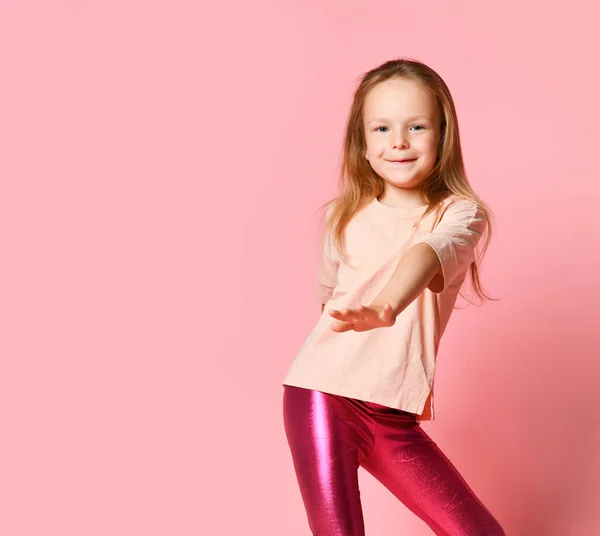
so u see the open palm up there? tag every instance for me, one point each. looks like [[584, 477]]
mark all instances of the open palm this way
[[363, 318]]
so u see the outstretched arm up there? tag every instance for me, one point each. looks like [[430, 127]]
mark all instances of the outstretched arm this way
[[433, 262], [416, 270], [419, 268], [414, 273]]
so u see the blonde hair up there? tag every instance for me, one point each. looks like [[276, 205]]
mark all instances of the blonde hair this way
[[358, 182]]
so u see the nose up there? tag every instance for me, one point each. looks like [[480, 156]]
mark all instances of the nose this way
[[398, 139]]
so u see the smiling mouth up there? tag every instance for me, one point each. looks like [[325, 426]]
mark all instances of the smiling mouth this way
[[401, 161]]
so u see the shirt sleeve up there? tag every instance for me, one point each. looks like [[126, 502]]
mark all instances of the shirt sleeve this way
[[455, 237], [328, 269]]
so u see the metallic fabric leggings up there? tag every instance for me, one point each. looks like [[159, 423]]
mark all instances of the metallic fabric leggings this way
[[330, 436]]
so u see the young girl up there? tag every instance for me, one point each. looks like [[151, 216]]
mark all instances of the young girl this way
[[398, 242]]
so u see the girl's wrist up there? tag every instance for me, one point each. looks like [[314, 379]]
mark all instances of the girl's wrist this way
[[378, 305]]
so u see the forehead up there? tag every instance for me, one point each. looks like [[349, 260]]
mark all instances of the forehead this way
[[397, 99]]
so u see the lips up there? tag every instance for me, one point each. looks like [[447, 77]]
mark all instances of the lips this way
[[401, 161]]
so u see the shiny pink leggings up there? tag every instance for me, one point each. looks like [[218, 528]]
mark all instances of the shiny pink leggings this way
[[330, 436]]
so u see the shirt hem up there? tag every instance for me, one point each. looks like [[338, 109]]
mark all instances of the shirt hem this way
[[366, 396]]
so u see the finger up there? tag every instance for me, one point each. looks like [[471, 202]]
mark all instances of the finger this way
[[364, 313], [347, 315], [388, 316], [340, 327]]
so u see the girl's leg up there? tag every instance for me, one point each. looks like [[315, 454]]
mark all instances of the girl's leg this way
[[326, 439], [408, 462]]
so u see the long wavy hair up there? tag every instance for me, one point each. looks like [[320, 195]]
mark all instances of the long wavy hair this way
[[359, 184]]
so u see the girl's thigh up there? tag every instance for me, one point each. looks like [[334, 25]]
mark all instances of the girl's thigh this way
[[325, 448], [410, 464]]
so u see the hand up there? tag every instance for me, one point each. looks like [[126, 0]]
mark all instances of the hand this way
[[363, 318]]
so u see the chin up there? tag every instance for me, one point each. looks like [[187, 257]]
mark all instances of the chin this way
[[409, 183]]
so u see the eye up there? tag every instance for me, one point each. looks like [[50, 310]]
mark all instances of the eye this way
[[377, 129]]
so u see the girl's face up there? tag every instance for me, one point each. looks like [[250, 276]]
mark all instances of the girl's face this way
[[401, 123]]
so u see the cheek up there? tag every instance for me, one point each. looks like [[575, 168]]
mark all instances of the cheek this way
[[428, 147], [376, 147]]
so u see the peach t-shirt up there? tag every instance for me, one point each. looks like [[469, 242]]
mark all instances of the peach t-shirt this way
[[392, 366]]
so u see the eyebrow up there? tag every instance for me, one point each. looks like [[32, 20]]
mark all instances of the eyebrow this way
[[384, 119]]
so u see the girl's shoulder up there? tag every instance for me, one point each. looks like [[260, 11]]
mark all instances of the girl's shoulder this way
[[453, 198], [457, 199]]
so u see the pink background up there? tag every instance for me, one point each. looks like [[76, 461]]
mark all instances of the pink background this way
[[161, 166]]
